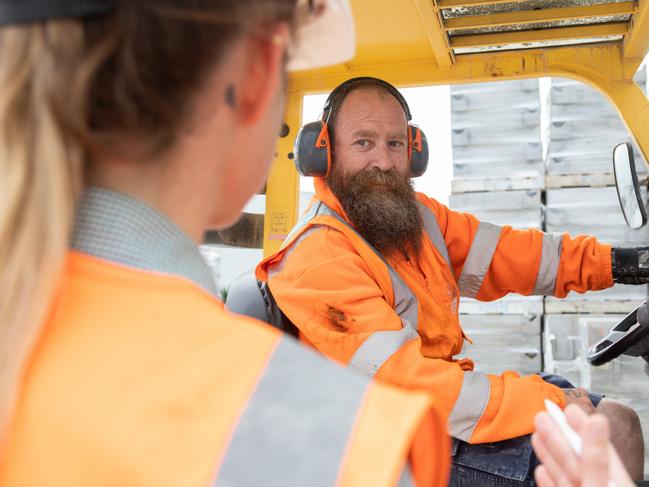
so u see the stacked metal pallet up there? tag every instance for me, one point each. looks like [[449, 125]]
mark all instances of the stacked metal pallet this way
[[581, 199], [498, 177]]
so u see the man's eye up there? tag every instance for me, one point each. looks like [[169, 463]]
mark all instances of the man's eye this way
[[396, 143], [362, 143]]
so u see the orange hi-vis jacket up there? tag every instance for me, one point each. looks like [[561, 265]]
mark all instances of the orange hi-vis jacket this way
[[396, 317], [145, 380]]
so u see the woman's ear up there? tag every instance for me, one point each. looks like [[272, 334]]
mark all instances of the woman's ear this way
[[264, 74]]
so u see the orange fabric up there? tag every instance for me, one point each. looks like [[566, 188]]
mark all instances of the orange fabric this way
[[338, 292], [139, 379], [429, 458]]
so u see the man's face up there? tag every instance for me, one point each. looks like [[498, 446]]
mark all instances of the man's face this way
[[370, 174], [370, 132]]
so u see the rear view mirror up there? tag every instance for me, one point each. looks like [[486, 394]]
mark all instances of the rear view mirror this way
[[628, 188]]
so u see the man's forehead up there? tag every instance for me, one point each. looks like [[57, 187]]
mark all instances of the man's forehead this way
[[371, 104]]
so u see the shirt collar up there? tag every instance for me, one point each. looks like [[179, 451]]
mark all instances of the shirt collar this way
[[119, 228]]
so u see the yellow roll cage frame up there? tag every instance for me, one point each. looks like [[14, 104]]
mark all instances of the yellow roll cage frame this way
[[431, 42]]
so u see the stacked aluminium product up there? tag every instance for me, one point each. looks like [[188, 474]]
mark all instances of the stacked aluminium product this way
[[498, 177], [580, 192], [496, 136], [581, 199]]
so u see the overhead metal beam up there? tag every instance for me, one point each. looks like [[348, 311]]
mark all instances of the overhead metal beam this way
[[559, 33], [536, 16], [636, 43], [437, 37], [471, 3]]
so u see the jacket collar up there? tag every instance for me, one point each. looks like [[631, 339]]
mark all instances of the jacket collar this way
[[324, 194], [118, 228]]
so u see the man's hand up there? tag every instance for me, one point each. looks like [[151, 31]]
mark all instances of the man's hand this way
[[630, 265], [579, 397], [598, 465]]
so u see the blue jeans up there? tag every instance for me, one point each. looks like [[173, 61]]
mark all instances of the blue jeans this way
[[508, 463]]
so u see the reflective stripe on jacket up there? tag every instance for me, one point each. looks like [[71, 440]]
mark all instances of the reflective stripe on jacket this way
[[142, 379], [396, 318]]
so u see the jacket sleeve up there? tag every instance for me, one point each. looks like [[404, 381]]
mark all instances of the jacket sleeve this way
[[339, 308], [490, 261]]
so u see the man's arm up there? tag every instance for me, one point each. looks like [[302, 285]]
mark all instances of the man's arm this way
[[521, 261], [331, 295]]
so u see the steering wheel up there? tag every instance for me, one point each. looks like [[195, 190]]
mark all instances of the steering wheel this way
[[629, 337]]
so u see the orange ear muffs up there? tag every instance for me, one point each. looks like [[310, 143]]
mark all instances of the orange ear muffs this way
[[313, 150], [417, 151]]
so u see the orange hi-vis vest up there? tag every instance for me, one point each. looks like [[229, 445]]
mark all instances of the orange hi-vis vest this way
[[396, 318], [143, 379]]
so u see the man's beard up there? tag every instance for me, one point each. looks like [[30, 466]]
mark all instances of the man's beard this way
[[382, 205]]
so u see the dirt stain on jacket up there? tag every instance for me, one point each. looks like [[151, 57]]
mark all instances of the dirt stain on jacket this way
[[337, 318]]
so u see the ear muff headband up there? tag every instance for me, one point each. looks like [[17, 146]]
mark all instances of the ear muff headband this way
[[374, 81], [315, 160], [23, 11]]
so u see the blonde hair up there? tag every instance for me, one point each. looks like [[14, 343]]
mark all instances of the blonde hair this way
[[69, 88], [41, 167]]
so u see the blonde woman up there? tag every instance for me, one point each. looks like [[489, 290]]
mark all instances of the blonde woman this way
[[126, 129]]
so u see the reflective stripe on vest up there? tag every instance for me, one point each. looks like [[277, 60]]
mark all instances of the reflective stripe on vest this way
[[434, 233], [470, 405], [546, 279], [479, 258], [273, 441], [406, 479]]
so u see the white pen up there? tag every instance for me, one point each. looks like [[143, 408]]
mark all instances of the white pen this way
[[559, 418]]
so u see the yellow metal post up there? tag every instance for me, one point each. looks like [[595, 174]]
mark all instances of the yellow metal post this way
[[633, 106], [283, 185], [636, 41]]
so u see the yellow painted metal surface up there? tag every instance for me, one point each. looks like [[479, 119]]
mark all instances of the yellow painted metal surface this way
[[283, 185], [401, 41], [538, 16], [432, 22], [636, 43]]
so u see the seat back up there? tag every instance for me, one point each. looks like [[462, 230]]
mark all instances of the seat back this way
[[247, 296]]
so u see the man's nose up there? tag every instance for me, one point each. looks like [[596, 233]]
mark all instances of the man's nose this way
[[382, 159]]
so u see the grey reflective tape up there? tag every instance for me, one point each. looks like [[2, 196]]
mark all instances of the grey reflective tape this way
[[297, 424], [479, 258], [278, 267], [469, 406], [406, 479], [433, 231], [405, 302], [379, 347], [546, 279], [304, 220]]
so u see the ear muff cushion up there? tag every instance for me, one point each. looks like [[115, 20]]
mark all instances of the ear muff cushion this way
[[418, 151], [312, 150]]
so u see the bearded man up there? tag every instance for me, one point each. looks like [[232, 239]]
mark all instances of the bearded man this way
[[372, 275]]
